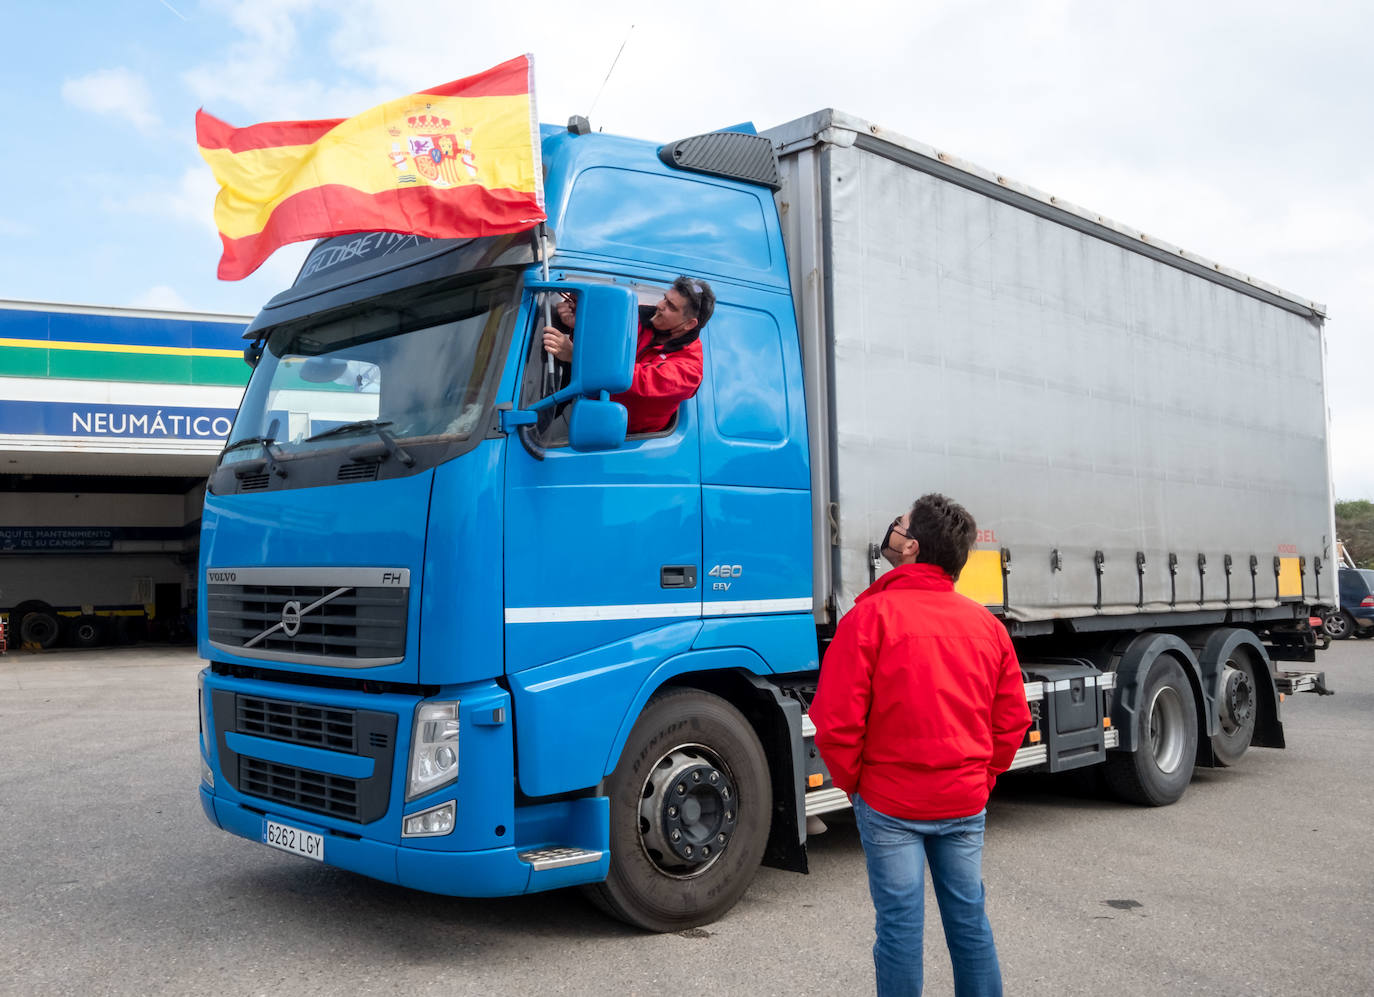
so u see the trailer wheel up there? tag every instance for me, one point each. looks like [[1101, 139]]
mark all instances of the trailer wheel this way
[[691, 803], [1237, 707], [39, 628], [1157, 772], [86, 631], [1338, 624]]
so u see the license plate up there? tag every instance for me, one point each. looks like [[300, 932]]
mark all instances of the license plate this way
[[293, 839]]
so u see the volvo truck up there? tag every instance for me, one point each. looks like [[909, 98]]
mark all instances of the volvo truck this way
[[465, 635]]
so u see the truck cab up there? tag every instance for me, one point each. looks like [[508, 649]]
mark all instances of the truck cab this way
[[439, 591]]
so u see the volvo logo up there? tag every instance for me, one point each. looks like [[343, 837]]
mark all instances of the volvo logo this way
[[291, 618], [293, 612]]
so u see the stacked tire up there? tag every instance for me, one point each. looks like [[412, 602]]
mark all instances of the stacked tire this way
[[35, 623]]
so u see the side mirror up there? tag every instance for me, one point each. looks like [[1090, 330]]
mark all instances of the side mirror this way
[[596, 425], [252, 353], [603, 339]]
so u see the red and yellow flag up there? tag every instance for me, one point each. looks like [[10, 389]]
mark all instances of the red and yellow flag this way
[[454, 162]]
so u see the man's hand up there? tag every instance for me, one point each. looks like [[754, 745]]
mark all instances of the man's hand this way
[[567, 310], [555, 342]]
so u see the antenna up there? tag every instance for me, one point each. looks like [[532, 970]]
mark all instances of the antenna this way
[[610, 71]]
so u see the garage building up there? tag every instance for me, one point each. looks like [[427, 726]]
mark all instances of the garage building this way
[[110, 421]]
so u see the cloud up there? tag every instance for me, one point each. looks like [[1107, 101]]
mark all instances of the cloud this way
[[190, 199], [160, 296], [113, 91]]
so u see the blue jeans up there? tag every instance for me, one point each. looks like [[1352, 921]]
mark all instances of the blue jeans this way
[[897, 851]]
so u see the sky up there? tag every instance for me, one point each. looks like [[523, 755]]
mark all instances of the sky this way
[[1241, 132]]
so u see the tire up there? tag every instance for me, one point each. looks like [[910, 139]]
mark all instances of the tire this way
[[22, 610], [86, 631], [1158, 771], [39, 628], [694, 747], [1363, 633], [1237, 708], [1338, 624]]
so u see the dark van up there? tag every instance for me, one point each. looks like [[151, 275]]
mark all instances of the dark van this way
[[1355, 617]]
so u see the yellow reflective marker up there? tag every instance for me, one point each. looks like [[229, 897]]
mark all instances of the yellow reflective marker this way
[[981, 579], [1290, 578]]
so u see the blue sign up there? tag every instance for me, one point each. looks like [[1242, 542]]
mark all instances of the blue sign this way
[[123, 422], [56, 538]]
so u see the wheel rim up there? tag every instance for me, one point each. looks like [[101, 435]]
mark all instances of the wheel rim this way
[[687, 812], [1335, 625], [1166, 729], [1237, 704]]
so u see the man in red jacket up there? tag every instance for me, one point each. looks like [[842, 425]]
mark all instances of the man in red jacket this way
[[667, 358], [921, 705]]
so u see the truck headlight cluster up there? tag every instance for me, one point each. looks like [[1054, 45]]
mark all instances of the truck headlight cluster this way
[[433, 748]]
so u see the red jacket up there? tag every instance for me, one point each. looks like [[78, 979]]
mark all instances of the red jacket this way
[[921, 702], [663, 379]]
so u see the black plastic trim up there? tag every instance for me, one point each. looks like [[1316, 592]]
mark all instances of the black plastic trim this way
[[733, 155]]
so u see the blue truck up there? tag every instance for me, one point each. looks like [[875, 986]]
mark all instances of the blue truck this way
[[465, 635]]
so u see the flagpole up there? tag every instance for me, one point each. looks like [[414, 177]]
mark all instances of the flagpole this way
[[550, 374]]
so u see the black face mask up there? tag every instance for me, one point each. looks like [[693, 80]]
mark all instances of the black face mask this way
[[887, 537]]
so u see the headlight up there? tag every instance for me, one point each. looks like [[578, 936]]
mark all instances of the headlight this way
[[433, 748], [429, 823], [207, 775]]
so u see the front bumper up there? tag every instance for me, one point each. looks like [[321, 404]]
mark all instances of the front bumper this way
[[492, 872]]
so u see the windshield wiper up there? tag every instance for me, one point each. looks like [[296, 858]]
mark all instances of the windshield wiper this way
[[269, 457], [369, 425], [249, 441]]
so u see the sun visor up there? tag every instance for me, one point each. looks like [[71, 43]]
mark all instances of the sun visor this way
[[734, 155]]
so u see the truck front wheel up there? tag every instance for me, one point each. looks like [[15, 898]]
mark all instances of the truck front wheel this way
[[1157, 772], [691, 802]]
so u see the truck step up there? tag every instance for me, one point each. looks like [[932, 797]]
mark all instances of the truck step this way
[[558, 856], [824, 801]]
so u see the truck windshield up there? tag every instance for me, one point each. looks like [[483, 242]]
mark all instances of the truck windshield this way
[[413, 366]]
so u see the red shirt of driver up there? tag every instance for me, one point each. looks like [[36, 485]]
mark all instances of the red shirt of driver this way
[[665, 376]]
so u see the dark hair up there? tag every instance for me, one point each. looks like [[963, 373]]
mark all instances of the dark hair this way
[[699, 298], [945, 530]]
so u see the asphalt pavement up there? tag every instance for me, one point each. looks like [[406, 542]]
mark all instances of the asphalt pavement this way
[[1259, 881]]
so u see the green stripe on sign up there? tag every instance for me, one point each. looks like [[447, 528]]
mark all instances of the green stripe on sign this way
[[220, 370], [81, 365], [119, 367], [17, 361]]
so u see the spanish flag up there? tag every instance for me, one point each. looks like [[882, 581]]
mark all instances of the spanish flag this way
[[454, 162]]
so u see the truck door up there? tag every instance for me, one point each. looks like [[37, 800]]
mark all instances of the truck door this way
[[601, 546], [756, 480]]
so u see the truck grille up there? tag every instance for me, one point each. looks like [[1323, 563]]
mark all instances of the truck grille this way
[[298, 723], [327, 618], [256, 766], [319, 792]]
